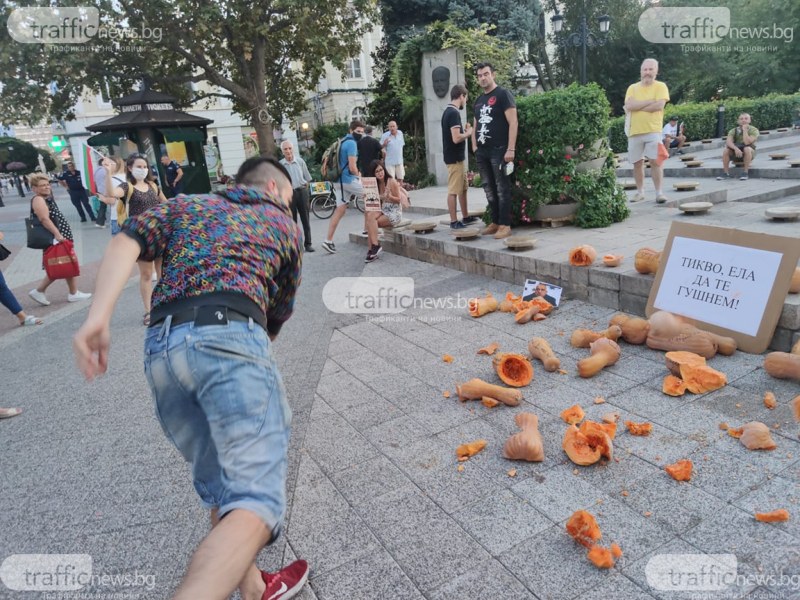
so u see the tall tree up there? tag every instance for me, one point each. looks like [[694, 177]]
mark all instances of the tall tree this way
[[262, 55]]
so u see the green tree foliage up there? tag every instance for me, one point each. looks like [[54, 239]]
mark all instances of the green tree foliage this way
[[14, 150], [263, 55]]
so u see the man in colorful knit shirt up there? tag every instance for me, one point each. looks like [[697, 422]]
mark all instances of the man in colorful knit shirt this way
[[231, 267], [644, 108]]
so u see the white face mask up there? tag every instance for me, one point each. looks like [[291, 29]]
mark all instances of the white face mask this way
[[139, 174]]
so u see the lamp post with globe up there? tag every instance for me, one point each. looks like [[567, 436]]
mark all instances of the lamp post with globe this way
[[304, 127], [583, 37]]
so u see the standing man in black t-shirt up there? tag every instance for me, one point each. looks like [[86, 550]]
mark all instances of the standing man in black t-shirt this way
[[454, 146], [369, 149], [494, 140], [174, 175]]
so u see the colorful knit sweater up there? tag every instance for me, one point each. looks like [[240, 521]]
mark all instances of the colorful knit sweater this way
[[241, 240]]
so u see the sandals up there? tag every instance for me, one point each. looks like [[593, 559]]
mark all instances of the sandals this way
[[7, 413], [31, 320], [146, 319]]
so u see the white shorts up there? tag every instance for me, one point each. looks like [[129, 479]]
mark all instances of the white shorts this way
[[644, 144], [354, 188], [396, 171]]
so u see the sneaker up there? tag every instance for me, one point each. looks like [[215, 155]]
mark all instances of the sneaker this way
[[78, 296], [661, 199], [329, 247], [679, 152], [502, 232], [100, 226], [39, 297], [468, 220], [373, 254], [744, 177], [724, 177], [310, 248], [457, 225], [638, 197], [364, 232], [490, 230], [287, 582]]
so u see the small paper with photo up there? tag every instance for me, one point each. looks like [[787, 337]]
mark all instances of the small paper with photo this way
[[548, 291], [372, 199]]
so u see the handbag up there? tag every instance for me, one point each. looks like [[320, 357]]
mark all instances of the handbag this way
[[61, 262], [38, 237], [4, 252]]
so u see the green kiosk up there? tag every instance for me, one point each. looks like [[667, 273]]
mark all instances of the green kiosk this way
[[148, 124]]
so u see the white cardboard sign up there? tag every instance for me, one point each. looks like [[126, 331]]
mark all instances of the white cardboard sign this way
[[717, 283]]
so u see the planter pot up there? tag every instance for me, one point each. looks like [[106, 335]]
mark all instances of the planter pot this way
[[589, 165], [555, 211]]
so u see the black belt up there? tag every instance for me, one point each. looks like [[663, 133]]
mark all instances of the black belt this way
[[206, 315]]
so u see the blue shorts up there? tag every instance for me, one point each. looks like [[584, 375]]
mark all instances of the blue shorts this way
[[115, 228], [221, 401]]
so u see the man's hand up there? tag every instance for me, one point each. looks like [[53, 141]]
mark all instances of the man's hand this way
[[90, 345], [738, 153]]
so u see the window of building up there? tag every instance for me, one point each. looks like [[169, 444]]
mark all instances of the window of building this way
[[359, 113], [353, 68]]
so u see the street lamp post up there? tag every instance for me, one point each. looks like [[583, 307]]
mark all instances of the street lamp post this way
[[583, 37], [304, 127]]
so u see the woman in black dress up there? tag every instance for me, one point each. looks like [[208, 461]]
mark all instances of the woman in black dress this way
[[45, 207]]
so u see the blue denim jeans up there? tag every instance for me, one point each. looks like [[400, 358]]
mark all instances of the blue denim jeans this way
[[221, 401], [115, 228], [496, 183], [7, 297]]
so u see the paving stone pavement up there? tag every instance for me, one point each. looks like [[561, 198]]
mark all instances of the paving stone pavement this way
[[377, 504]]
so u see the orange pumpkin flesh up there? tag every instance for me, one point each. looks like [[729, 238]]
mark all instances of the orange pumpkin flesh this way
[[676, 358], [701, 379], [796, 408], [578, 448], [616, 551], [490, 349], [775, 516], [514, 369], [601, 558], [583, 528], [464, 451], [481, 306], [639, 428], [673, 386], [680, 471], [573, 414], [582, 256], [544, 306], [597, 437]]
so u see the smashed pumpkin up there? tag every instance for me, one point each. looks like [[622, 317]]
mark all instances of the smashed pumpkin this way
[[490, 349], [676, 358], [673, 386], [700, 379], [513, 369], [482, 306], [573, 414], [680, 471], [476, 389], [582, 256], [507, 305], [612, 260], [756, 436], [599, 436], [527, 444], [769, 400], [526, 315], [774, 516], [604, 353], [639, 428], [581, 450], [465, 451], [545, 307], [583, 338], [583, 528], [600, 557]]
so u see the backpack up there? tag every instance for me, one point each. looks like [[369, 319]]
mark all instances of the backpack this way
[[330, 170], [122, 205]]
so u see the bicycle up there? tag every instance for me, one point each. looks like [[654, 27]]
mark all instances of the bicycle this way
[[323, 199]]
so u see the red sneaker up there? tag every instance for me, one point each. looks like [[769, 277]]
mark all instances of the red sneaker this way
[[287, 582]]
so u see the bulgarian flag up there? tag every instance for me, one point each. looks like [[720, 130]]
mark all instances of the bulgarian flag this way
[[89, 164]]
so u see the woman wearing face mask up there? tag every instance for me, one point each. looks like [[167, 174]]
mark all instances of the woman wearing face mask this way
[[137, 194]]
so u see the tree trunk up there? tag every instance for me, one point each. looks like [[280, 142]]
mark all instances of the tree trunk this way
[[266, 141]]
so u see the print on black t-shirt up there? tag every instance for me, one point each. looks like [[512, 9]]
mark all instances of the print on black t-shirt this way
[[490, 116]]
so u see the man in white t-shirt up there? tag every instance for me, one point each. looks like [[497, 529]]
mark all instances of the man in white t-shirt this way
[[393, 142], [674, 135]]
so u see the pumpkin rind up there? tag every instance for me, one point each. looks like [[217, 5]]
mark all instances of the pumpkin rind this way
[[527, 444], [680, 471], [573, 414], [513, 369], [582, 256], [646, 260]]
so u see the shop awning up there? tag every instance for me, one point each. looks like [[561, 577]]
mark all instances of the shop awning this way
[[107, 138], [182, 134]]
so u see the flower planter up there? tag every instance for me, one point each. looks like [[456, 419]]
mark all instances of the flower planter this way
[[589, 165], [555, 211]]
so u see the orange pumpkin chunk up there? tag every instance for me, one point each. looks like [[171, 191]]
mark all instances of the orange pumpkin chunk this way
[[513, 369], [680, 471], [573, 414], [464, 451], [769, 400], [583, 528], [602, 558], [735, 432], [673, 386], [639, 428], [676, 358], [599, 437], [796, 408], [490, 349], [700, 379], [616, 551], [775, 516]]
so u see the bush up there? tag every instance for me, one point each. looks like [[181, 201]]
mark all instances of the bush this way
[[325, 135], [549, 123], [768, 112]]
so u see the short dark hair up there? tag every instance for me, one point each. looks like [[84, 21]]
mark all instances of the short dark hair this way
[[368, 129], [355, 124], [458, 91], [483, 65], [259, 170]]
